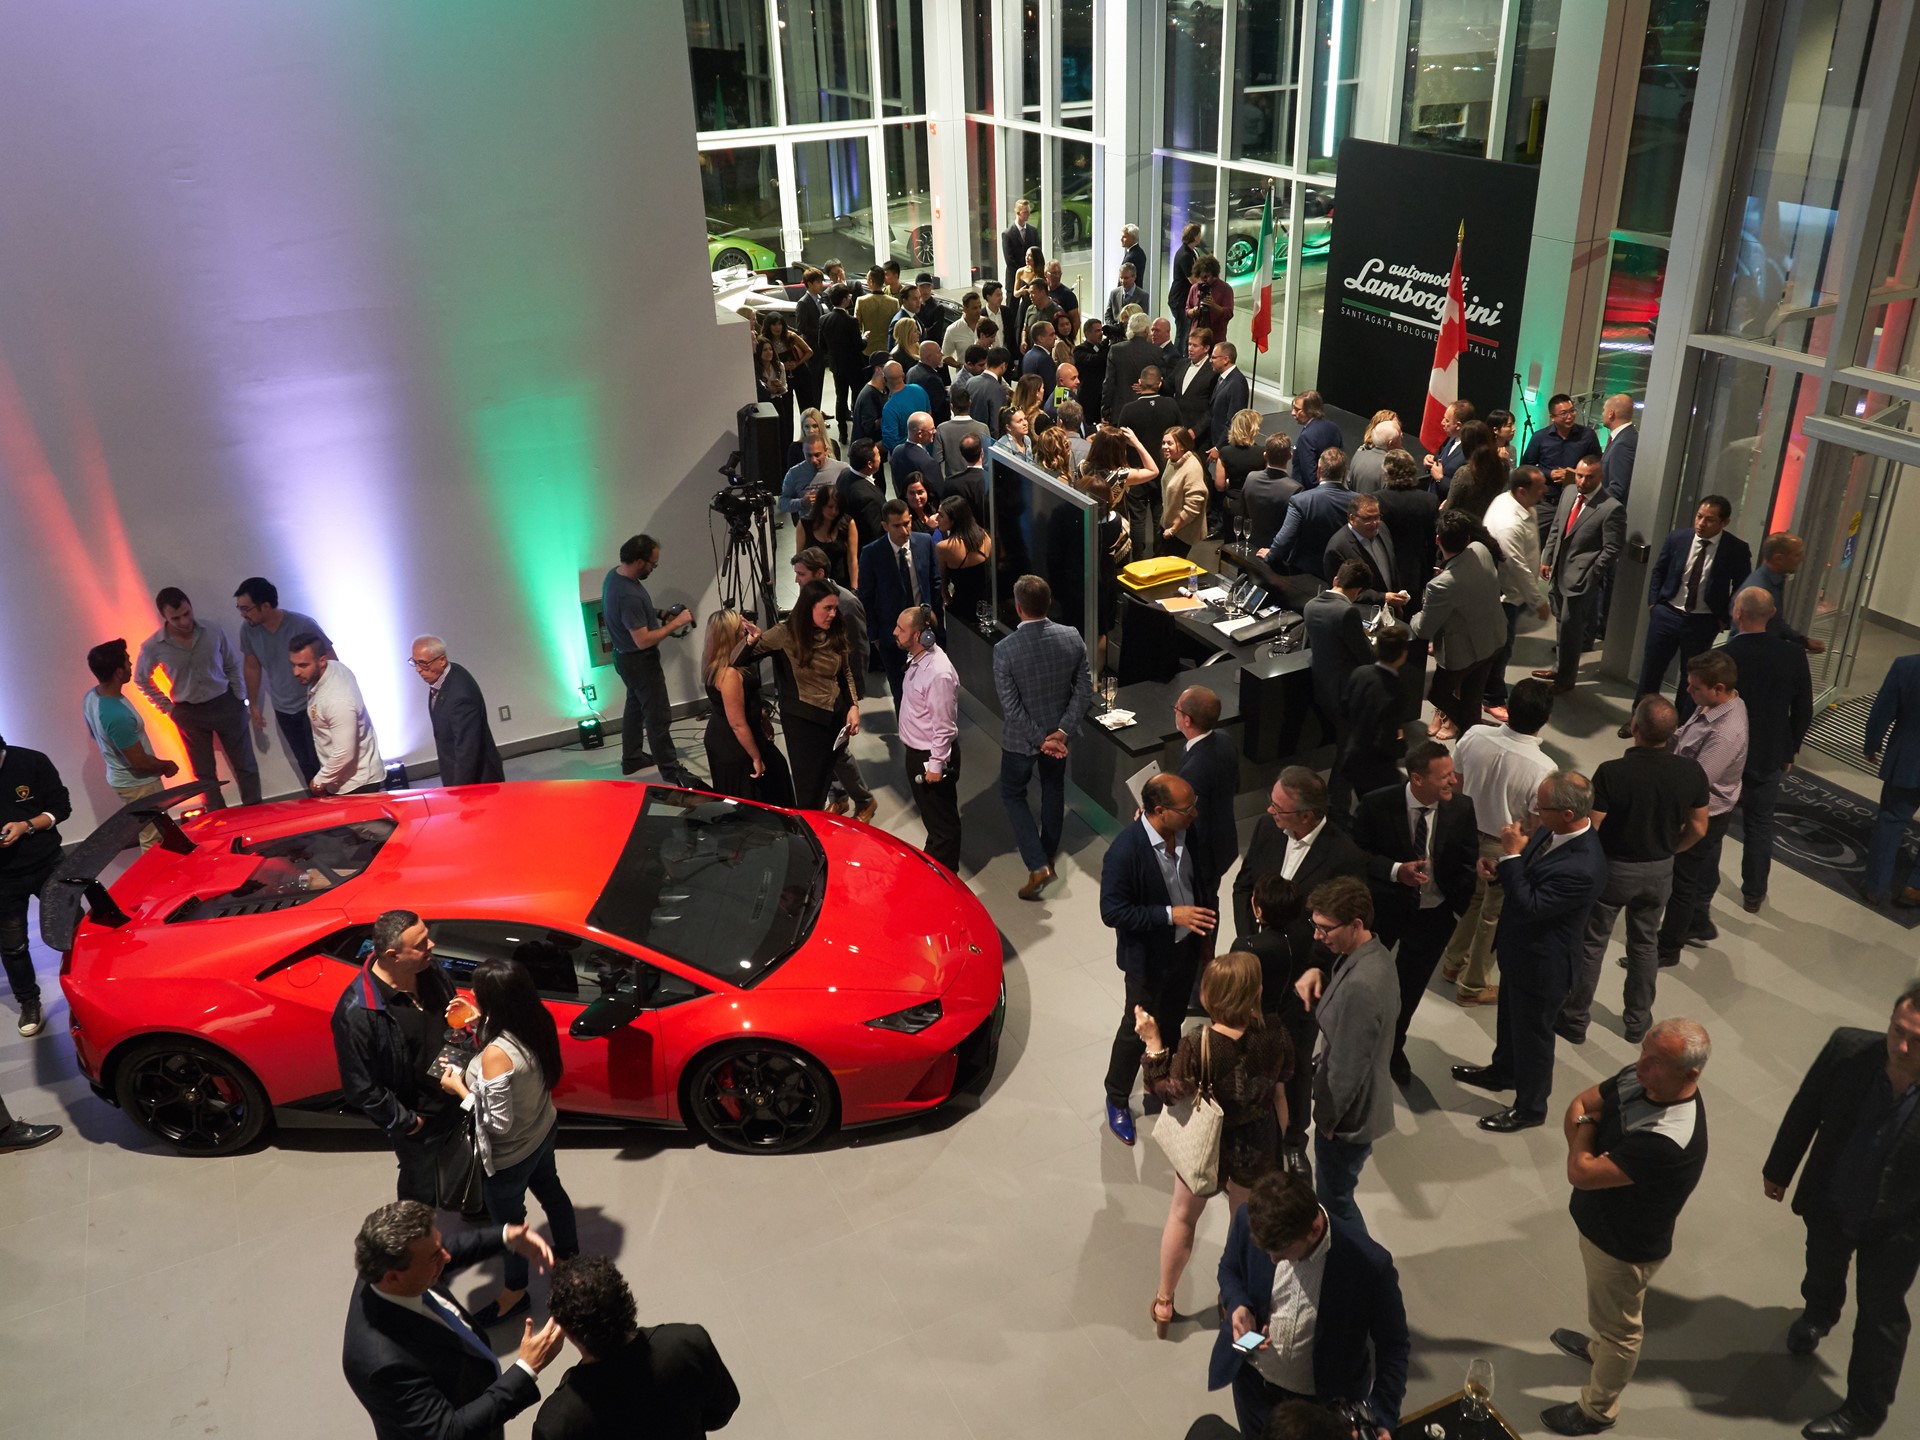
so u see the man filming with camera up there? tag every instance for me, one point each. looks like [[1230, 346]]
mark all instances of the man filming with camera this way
[[637, 629]]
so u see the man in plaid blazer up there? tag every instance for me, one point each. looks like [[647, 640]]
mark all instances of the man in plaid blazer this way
[[1040, 674]]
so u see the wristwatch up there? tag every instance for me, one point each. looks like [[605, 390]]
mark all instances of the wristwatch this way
[[1586, 1120]]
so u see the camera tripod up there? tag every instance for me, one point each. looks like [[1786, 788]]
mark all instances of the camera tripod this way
[[746, 571]]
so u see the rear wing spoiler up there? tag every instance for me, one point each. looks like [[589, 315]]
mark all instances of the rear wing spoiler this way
[[75, 888]]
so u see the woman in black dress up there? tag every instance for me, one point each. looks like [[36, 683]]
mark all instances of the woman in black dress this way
[[813, 638], [741, 755], [1233, 460], [837, 535], [963, 551], [1242, 1063]]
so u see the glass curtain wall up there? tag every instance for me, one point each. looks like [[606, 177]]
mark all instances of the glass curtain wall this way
[[1805, 380], [813, 137], [1032, 80]]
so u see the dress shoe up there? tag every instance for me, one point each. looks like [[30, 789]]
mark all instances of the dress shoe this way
[[1873, 897], [1481, 1077], [1752, 903], [1488, 996], [642, 761], [22, 1136], [1496, 713], [1625, 732], [1571, 1036], [1804, 1337], [1036, 882], [1669, 959], [1505, 1122], [1841, 1424], [490, 1314], [1572, 1342], [1451, 973], [1399, 1070], [839, 805], [1570, 1419], [1906, 898], [1545, 674], [33, 1018], [1704, 936], [1120, 1121], [1633, 1037], [865, 813]]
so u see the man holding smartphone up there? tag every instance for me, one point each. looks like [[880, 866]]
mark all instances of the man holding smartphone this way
[[1313, 1311]]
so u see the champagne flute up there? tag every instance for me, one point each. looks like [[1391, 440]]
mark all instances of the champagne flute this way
[[983, 616], [1479, 1389]]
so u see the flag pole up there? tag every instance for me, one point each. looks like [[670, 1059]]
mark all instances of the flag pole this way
[[1260, 281]]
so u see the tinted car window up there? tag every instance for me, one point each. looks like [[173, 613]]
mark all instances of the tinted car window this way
[[461, 945], [729, 889]]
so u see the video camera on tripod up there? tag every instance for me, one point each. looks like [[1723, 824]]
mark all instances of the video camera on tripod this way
[[744, 496]]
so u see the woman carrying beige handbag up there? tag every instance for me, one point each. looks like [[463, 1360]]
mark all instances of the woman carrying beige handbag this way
[[1241, 1067]]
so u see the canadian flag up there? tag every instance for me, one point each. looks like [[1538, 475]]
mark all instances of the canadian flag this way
[[1443, 385]]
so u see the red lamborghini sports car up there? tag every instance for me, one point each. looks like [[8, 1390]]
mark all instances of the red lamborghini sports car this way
[[755, 974]]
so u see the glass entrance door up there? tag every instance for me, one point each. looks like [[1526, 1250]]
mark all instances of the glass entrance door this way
[[1842, 516]]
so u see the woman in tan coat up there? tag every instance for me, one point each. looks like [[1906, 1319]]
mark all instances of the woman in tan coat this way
[[1183, 495]]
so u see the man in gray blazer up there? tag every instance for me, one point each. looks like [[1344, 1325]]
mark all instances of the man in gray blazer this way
[[946, 447], [1041, 679], [1461, 618], [1357, 1007], [1589, 532]]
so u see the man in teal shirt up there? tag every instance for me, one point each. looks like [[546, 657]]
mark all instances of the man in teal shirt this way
[[133, 770]]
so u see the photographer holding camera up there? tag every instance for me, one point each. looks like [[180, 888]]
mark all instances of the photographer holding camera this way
[[637, 629]]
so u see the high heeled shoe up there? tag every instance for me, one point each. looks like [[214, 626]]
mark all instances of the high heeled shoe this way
[[1160, 1325]]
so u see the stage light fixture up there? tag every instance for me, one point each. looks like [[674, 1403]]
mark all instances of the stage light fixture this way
[[590, 736], [396, 775]]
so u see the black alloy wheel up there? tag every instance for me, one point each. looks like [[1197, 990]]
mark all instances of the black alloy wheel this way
[[733, 257], [759, 1099], [191, 1095]]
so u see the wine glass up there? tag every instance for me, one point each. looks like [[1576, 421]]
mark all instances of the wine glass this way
[[1109, 687], [1479, 1389], [1242, 529], [983, 616]]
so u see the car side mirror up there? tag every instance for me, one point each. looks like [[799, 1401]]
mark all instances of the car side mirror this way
[[607, 1014]]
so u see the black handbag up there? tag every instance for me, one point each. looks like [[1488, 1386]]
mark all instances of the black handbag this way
[[459, 1174]]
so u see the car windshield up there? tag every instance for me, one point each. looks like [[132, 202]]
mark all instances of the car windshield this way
[[730, 889]]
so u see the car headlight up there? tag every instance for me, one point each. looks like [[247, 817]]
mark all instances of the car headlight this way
[[910, 1021]]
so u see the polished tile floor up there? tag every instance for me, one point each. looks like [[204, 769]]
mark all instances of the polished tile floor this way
[[983, 1274]]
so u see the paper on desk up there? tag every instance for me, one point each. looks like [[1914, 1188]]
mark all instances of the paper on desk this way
[[1115, 719], [1182, 602], [1234, 626], [1214, 594]]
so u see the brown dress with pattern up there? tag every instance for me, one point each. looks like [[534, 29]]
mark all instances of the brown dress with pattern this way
[[1244, 1073]]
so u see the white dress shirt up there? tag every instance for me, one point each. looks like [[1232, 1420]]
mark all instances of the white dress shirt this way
[[1500, 771], [1679, 601], [1297, 849], [343, 737], [1287, 1359], [1518, 531], [1429, 892], [1173, 870], [440, 1316], [1554, 842]]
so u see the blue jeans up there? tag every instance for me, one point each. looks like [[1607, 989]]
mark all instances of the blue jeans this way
[[1897, 804], [1037, 844], [1336, 1171], [506, 1192]]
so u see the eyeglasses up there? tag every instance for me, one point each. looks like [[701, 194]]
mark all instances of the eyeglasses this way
[[1279, 814], [1181, 809], [1323, 930], [428, 664]]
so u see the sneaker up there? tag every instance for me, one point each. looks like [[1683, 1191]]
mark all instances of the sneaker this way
[[32, 1019]]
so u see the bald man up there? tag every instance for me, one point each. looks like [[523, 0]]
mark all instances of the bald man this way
[[1623, 442], [930, 375]]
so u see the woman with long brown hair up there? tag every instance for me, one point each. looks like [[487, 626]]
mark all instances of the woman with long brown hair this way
[[814, 640], [742, 758], [825, 527], [1242, 1063], [964, 548]]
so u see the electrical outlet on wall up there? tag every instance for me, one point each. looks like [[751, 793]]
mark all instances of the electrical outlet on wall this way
[[506, 712], [591, 693]]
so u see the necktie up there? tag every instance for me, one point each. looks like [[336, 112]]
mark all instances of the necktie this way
[[1694, 572], [1573, 515], [907, 587], [457, 1323], [1420, 833]]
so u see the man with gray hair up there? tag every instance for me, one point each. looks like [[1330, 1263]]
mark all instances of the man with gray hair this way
[[462, 738], [1777, 685], [1132, 254], [1649, 804], [1636, 1145], [1124, 363], [1550, 882], [1127, 292], [1366, 473]]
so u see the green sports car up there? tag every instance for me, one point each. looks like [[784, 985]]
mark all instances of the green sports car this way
[[730, 250]]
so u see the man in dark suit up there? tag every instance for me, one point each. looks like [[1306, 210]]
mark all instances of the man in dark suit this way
[[897, 569], [1232, 392], [914, 457], [1371, 742], [1149, 415], [1300, 844], [1317, 433], [1623, 444], [412, 1354], [1357, 1345], [1041, 679], [1125, 361], [671, 1374], [1777, 684], [1314, 516], [1265, 496], [1191, 386], [462, 738], [1860, 1197], [1160, 897], [861, 498], [1360, 540], [1690, 597], [1337, 643], [971, 483], [1016, 240], [1452, 454], [1421, 847], [1893, 745], [928, 374], [1550, 883], [1211, 764], [1584, 541]]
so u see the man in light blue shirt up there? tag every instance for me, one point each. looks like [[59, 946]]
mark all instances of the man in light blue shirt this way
[[264, 632], [817, 467], [902, 401], [132, 769]]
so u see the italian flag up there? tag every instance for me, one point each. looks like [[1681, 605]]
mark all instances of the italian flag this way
[[1443, 385], [1263, 311]]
